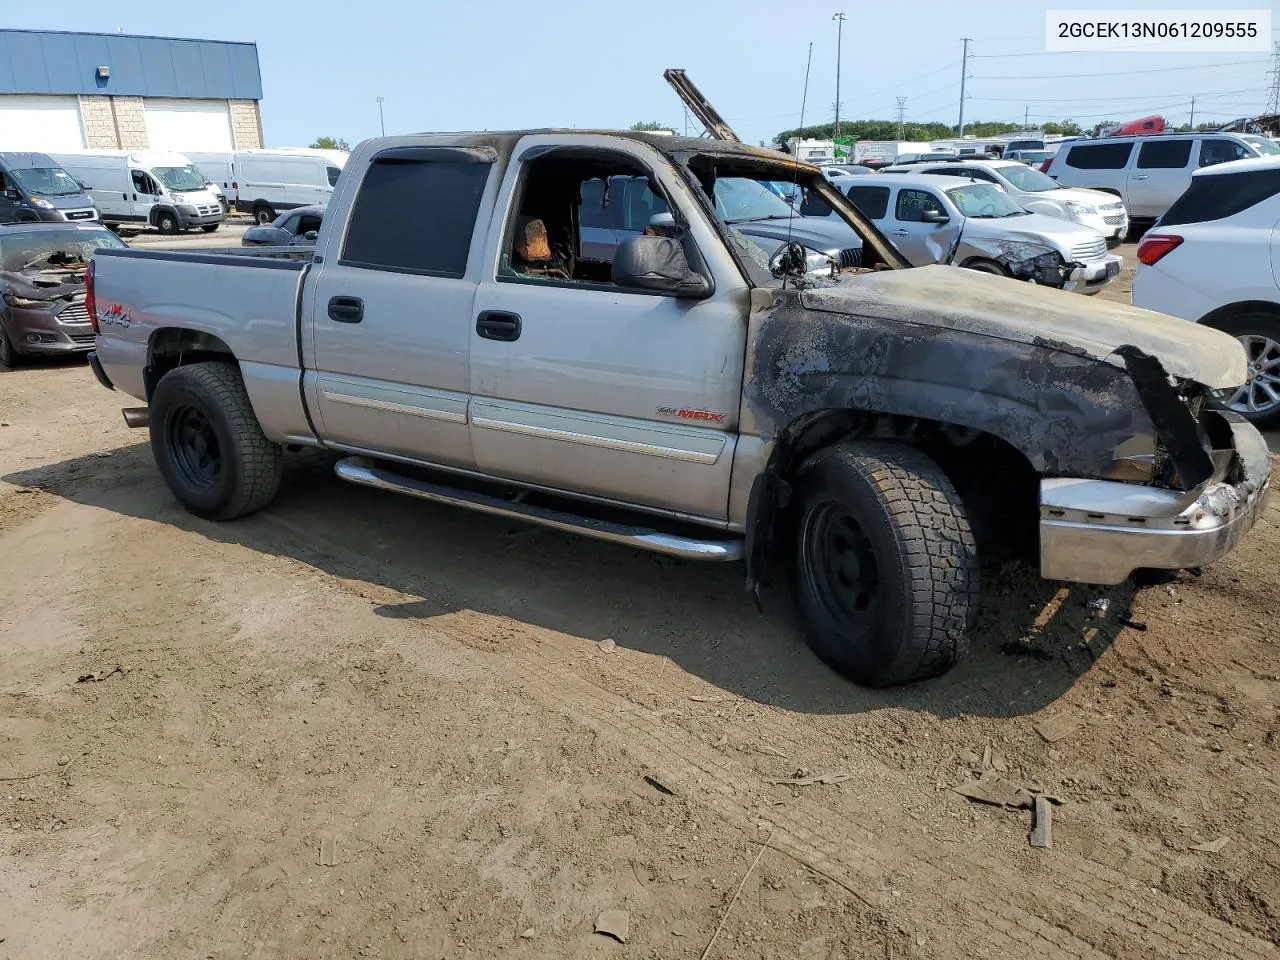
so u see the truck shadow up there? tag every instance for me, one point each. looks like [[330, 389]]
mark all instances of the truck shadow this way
[[1032, 640]]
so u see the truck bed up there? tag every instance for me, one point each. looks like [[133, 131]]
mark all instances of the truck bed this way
[[246, 298]]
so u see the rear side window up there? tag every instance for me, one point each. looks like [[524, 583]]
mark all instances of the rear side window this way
[[1222, 151], [1212, 198], [415, 216], [872, 202], [333, 173], [1099, 156], [1164, 154]]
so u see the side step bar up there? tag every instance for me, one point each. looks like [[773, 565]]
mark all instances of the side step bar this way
[[367, 473]]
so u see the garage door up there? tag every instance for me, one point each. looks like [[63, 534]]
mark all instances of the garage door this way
[[184, 125], [44, 124]]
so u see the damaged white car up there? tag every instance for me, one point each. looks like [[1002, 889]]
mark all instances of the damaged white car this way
[[934, 219]]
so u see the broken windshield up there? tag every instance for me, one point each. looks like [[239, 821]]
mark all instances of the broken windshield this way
[[41, 248]]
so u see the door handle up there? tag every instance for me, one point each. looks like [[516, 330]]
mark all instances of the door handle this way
[[900, 233], [346, 309], [498, 325], [1140, 177]]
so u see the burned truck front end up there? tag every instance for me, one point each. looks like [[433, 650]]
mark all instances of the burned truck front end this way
[[1112, 408]]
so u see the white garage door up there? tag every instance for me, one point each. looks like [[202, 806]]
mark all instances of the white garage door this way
[[188, 125], [43, 124]]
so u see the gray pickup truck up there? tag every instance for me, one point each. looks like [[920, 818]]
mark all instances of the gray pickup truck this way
[[872, 426]]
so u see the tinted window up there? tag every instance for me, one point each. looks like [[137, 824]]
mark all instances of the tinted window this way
[[1164, 154], [1099, 156], [594, 212], [873, 202], [638, 205], [912, 205], [1212, 198], [1222, 151], [814, 204], [415, 216], [333, 173]]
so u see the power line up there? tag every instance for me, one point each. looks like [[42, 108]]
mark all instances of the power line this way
[[1128, 99], [1119, 73]]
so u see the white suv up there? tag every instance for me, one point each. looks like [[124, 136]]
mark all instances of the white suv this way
[[1039, 194], [1150, 172], [1215, 258]]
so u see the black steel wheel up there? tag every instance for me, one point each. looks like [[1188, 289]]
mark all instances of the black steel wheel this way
[[208, 443], [884, 571], [167, 222]]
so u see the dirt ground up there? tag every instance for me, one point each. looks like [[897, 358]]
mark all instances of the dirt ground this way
[[358, 725]]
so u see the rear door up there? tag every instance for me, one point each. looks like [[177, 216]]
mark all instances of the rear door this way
[[391, 308], [1159, 175]]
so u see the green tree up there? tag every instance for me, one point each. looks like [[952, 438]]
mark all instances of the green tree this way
[[649, 125], [330, 143]]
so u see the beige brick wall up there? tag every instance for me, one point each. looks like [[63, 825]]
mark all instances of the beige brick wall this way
[[246, 124], [98, 122], [131, 122]]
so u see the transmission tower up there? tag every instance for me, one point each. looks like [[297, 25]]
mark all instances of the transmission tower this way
[[902, 117], [1273, 98]]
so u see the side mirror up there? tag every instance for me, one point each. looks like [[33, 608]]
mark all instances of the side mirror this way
[[657, 264], [12, 193], [311, 235], [935, 217]]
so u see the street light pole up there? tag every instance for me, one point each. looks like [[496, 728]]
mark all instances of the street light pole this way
[[382, 121], [839, 18], [964, 70]]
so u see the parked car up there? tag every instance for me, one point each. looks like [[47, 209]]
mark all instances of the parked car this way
[[1212, 259], [452, 337], [1040, 194], [1150, 172], [1032, 158], [833, 171], [42, 293], [145, 187], [33, 187], [294, 228], [937, 219], [758, 210]]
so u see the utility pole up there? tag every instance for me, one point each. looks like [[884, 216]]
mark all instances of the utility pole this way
[[964, 70], [839, 18], [1026, 118], [1193, 114], [902, 117], [686, 121], [382, 121]]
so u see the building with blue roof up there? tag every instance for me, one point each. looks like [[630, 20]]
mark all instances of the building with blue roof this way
[[68, 91]]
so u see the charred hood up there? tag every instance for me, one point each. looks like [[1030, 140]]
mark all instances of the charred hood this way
[[950, 298]]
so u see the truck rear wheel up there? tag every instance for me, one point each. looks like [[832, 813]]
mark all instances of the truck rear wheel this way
[[884, 571], [208, 443]]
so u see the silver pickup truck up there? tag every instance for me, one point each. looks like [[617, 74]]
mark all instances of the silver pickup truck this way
[[871, 427]]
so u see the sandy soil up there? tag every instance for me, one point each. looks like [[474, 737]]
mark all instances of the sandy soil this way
[[422, 698]]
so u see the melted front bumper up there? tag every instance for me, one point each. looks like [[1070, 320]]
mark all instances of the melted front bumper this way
[[1101, 531]]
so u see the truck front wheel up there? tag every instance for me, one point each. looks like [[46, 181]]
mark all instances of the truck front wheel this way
[[883, 567], [208, 444]]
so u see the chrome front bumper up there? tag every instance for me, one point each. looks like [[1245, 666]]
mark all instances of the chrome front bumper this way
[[1100, 531]]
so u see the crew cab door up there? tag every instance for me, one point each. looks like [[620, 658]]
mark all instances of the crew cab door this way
[[588, 387], [389, 320]]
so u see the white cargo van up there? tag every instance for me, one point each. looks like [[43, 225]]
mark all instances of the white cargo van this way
[[147, 187], [268, 181], [217, 169]]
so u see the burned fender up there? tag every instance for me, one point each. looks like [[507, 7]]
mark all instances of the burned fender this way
[[1063, 409]]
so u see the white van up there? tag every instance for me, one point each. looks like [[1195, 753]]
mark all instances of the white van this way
[[268, 181], [159, 188], [217, 170]]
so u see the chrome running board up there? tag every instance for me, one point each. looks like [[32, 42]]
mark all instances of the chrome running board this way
[[367, 473]]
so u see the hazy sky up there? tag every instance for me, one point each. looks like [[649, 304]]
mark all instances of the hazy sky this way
[[509, 65]]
